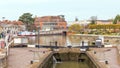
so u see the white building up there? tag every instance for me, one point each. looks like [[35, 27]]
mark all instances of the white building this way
[[12, 27], [82, 22]]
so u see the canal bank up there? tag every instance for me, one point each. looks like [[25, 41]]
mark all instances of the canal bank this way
[[105, 57], [22, 57]]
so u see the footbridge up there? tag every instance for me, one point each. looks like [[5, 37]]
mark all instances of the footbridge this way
[[54, 32]]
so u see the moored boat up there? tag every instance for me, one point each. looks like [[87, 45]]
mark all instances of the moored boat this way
[[26, 33]]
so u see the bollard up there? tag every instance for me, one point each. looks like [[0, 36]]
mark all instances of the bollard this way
[[43, 52], [94, 52], [56, 44], [31, 62], [106, 62]]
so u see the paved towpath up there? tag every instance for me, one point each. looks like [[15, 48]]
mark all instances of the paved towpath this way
[[21, 57], [107, 54]]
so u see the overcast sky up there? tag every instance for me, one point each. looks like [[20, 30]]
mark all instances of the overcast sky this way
[[82, 9]]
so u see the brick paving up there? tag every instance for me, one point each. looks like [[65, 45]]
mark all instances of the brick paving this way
[[21, 57]]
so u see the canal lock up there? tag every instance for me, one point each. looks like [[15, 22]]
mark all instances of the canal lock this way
[[57, 59]]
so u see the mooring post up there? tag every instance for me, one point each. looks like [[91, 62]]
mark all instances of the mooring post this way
[[106, 62], [51, 46], [56, 44], [82, 43]]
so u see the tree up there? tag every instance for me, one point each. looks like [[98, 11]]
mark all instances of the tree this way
[[93, 19], [117, 19], [27, 19], [32, 27], [75, 28]]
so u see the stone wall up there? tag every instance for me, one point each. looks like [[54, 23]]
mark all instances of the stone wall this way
[[48, 62]]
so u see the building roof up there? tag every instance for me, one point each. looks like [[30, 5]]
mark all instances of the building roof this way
[[11, 22], [50, 19]]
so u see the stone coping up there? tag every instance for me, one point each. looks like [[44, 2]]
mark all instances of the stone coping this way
[[42, 61]]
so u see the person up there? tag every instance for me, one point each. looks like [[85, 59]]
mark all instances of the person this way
[[2, 35]]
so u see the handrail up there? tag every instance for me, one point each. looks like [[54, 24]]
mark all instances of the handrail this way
[[7, 46]]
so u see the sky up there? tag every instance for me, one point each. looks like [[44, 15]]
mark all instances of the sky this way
[[82, 9]]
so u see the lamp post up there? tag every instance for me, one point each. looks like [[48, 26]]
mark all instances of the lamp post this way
[[38, 36]]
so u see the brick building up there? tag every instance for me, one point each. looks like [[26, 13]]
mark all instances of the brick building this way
[[47, 23]]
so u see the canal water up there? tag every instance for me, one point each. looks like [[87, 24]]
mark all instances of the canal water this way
[[61, 40], [48, 40], [82, 61], [72, 64]]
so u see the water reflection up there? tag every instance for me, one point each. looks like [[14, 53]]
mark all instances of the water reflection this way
[[74, 40], [67, 61], [61, 40], [47, 40], [72, 64]]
